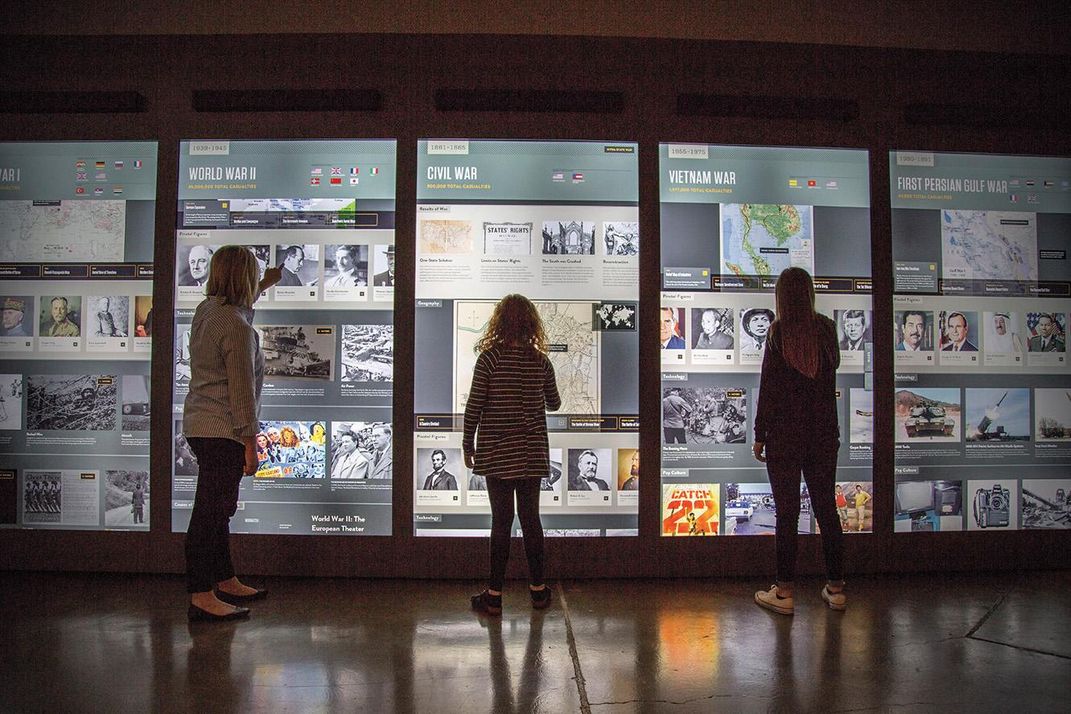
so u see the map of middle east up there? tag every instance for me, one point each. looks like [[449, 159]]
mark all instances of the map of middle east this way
[[567, 324], [989, 245], [90, 231], [765, 238]]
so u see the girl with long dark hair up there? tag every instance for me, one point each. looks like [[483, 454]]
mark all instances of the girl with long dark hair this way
[[796, 432], [505, 437]]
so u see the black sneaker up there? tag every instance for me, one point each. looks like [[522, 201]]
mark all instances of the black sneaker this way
[[487, 603], [540, 598]]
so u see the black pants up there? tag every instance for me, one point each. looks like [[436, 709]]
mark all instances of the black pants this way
[[208, 548], [500, 492], [674, 434], [818, 464]]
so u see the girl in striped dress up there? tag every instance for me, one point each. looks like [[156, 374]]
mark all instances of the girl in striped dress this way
[[505, 437]]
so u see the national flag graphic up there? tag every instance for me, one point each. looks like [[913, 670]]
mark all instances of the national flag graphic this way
[[578, 177], [1030, 182], [80, 190], [119, 165], [317, 171], [1014, 183], [336, 170], [793, 182], [354, 171], [100, 165], [374, 170], [557, 176], [101, 176], [98, 191], [80, 164], [314, 181], [81, 176], [1049, 184], [811, 183], [137, 163], [354, 180], [117, 190], [336, 180], [831, 184], [1014, 198]]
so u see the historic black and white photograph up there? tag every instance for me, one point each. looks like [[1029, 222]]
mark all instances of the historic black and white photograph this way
[[383, 265], [300, 264], [42, 496], [135, 401], [83, 402], [10, 401], [263, 255], [182, 355], [354, 452], [368, 353], [126, 498], [298, 351], [185, 463], [372, 439], [192, 263], [621, 237], [60, 316], [590, 470], [1047, 503], [704, 415], [755, 325], [568, 238], [712, 328], [108, 315], [345, 266], [440, 469], [615, 316], [853, 329]]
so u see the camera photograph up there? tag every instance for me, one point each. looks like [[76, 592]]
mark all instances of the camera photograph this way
[[993, 505]]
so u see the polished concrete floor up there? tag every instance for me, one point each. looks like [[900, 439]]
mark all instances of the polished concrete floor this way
[[964, 643]]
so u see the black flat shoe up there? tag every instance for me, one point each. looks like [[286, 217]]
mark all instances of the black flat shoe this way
[[241, 599], [487, 603], [540, 598], [196, 614]]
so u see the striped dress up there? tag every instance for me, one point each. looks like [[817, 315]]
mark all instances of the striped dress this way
[[512, 389]]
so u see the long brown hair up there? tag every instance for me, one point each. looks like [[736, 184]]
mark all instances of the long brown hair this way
[[795, 331], [515, 323], [233, 275]]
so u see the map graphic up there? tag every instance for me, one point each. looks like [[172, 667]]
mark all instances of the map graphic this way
[[445, 237], [765, 238], [989, 245], [574, 351], [73, 231]]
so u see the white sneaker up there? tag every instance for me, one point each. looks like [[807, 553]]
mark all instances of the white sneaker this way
[[770, 600], [836, 601]]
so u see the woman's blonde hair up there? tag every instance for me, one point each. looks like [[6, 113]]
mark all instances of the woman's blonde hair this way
[[233, 275], [515, 323]]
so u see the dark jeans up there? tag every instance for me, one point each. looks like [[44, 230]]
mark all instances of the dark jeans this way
[[500, 492], [208, 548], [818, 464], [674, 434]]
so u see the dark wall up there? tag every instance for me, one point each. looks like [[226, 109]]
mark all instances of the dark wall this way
[[654, 91]]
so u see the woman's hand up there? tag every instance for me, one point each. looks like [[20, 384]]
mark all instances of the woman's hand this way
[[271, 277], [251, 462], [758, 448]]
